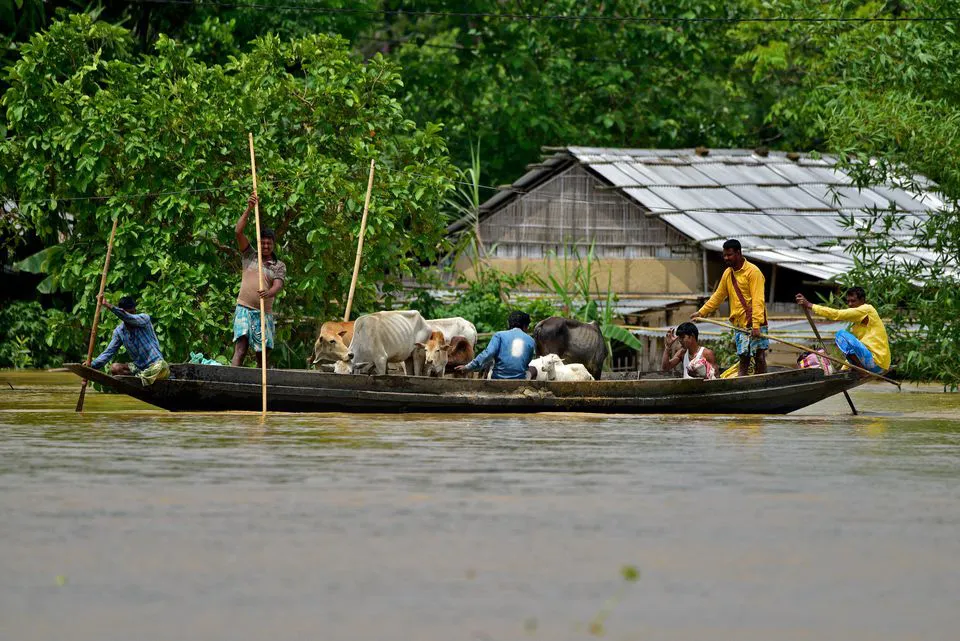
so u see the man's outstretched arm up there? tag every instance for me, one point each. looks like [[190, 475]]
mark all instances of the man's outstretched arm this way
[[108, 353], [484, 357], [242, 241]]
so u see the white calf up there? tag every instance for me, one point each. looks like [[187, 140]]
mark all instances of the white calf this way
[[551, 368]]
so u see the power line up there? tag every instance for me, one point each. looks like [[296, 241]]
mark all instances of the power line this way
[[309, 8]]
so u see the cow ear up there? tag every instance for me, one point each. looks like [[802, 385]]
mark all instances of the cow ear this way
[[342, 333], [420, 345], [445, 348]]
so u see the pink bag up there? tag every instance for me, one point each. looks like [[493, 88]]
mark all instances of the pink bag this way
[[817, 359], [701, 368]]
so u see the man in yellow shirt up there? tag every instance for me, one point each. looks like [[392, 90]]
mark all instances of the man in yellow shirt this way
[[742, 284], [866, 344]]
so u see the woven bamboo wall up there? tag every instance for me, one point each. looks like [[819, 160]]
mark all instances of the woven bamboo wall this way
[[570, 210]]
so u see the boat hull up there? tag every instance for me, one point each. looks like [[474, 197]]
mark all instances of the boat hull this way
[[207, 388]]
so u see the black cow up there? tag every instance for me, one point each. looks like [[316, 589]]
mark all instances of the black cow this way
[[573, 342]]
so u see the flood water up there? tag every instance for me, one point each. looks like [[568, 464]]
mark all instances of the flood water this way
[[132, 523]]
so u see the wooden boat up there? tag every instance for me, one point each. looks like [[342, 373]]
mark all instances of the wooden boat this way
[[208, 388]]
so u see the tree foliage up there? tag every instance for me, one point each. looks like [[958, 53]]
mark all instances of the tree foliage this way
[[522, 84], [93, 109], [885, 98], [160, 140]]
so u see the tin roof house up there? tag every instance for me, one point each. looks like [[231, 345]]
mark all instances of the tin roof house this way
[[657, 219]]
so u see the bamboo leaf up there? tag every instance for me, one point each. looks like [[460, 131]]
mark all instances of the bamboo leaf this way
[[618, 333], [47, 286], [39, 263]]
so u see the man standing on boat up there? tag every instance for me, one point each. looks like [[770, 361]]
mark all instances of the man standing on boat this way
[[513, 350], [743, 285], [135, 333], [865, 344], [246, 315]]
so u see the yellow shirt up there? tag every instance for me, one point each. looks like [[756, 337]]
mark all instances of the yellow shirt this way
[[866, 326], [751, 282]]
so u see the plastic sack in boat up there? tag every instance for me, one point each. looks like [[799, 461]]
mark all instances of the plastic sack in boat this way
[[815, 359]]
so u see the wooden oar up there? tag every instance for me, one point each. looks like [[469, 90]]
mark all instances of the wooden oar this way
[[816, 332], [802, 349], [96, 315], [263, 313], [363, 228]]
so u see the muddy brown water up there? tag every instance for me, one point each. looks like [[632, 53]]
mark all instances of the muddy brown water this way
[[133, 523]]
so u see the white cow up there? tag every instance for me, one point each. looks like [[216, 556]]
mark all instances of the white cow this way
[[551, 368], [455, 326], [386, 337]]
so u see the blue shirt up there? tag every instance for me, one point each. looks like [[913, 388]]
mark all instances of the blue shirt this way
[[137, 335], [513, 350]]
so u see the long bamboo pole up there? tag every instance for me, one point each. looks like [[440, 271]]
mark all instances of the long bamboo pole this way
[[801, 348], [363, 229], [263, 313], [816, 332], [96, 314]]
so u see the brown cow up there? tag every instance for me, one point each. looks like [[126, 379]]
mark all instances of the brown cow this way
[[434, 355], [333, 343], [460, 353]]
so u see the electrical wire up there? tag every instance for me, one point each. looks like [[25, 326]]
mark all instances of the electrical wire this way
[[310, 8]]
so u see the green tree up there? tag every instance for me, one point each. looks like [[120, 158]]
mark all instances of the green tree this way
[[160, 140], [20, 19], [883, 95], [521, 84], [621, 80]]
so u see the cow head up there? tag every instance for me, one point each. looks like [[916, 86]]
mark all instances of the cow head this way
[[329, 348], [460, 352], [343, 367], [435, 352]]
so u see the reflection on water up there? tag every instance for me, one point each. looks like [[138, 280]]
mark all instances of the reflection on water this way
[[876, 427], [130, 523]]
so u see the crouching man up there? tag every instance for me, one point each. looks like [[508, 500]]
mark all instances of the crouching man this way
[[865, 344], [134, 333]]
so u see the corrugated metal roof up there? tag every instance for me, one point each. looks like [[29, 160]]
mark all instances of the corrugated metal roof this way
[[639, 305], [784, 210]]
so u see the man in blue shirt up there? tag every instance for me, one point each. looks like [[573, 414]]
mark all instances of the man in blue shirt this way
[[135, 333], [512, 349]]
